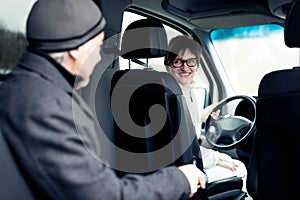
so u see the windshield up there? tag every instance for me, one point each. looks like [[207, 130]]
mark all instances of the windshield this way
[[248, 53]]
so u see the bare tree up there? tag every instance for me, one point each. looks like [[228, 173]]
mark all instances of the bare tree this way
[[12, 45]]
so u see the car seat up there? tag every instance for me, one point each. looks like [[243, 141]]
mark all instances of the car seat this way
[[274, 169], [152, 125]]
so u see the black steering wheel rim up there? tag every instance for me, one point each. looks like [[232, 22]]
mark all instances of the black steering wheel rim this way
[[236, 119]]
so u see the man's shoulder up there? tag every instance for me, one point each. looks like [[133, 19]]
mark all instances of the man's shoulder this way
[[31, 91]]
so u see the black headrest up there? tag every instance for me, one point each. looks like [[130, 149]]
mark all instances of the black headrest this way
[[292, 26], [145, 38]]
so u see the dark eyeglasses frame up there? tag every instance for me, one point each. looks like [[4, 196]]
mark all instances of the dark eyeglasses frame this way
[[185, 61]]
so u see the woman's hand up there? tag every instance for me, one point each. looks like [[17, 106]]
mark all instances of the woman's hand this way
[[226, 161], [215, 115], [208, 112]]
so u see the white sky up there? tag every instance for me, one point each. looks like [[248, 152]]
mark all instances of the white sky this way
[[13, 13]]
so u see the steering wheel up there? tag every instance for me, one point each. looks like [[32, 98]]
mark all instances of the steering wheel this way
[[228, 131]]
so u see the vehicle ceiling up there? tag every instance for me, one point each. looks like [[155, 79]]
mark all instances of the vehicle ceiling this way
[[205, 14]]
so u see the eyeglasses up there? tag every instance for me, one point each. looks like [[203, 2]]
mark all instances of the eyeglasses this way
[[191, 62]]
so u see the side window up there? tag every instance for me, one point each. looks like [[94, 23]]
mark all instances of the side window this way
[[13, 16]]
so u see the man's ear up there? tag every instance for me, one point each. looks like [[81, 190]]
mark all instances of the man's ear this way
[[74, 54]]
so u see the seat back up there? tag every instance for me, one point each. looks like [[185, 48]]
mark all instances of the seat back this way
[[274, 168], [150, 121], [12, 183]]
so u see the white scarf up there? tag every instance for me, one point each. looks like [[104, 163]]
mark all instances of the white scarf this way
[[192, 102]]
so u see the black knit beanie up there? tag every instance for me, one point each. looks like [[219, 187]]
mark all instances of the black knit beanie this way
[[59, 25]]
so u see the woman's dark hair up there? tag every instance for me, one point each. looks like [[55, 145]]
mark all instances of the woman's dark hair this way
[[182, 42]]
